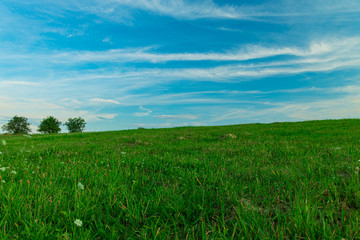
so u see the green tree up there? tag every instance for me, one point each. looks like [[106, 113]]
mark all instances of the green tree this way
[[75, 124], [17, 125], [49, 125]]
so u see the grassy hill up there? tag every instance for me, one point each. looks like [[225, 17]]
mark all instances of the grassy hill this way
[[254, 181]]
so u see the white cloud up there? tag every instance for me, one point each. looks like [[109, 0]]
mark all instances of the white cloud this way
[[25, 83], [107, 39], [319, 56], [106, 116], [343, 106], [143, 114], [179, 116], [101, 101], [182, 9], [248, 52], [186, 9], [155, 125]]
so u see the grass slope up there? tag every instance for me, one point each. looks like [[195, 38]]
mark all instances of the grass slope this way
[[255, 181]]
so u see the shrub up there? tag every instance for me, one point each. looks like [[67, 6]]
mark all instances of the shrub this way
[[75, 124], [17, 125], [49, 125]]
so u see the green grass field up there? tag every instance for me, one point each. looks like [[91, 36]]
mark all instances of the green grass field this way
[[254, 181]]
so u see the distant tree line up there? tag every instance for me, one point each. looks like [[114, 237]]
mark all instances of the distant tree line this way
[[20, 125]]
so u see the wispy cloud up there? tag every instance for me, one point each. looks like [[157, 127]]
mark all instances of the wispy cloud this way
[[179, 116], [106, 116], [107, 39], [346, 105], [16, 83], [187, 9], [248, 52], [319, 56], [182, 9], [101, 101], [145, 112], [155, 125]]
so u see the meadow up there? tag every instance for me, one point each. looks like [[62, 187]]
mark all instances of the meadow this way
[[254, 181]]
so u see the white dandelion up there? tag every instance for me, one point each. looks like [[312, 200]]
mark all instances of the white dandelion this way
[[13, 172], [3, 142], [78, 222], [123, 153], [80, 186], [3, 168]]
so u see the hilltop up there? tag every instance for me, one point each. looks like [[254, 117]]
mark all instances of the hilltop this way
[[251, 181]]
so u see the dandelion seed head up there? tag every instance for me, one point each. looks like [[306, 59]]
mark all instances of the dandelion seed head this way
[[3, 142], [13, 172], [80, 186], [78, 222]]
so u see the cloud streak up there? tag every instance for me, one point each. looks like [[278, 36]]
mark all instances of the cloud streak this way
[[179, 116], [207, 9], [100, 101], [146, 112], [329, 48], [320, 56]]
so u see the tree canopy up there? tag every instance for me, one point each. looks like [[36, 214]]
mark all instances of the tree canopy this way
[[17, 125], [75, 124], [49, 125]]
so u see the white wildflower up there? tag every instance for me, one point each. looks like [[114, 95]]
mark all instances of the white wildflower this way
[[3, 168], [3, 142], [13, 172], [80, 186], [0, 153], [78, 222], [123, 153], [3, 181]]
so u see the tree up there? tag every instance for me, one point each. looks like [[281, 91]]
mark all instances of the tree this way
[[75, 124], [17, 125], [49, 125]]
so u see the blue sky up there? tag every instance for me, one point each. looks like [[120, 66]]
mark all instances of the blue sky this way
[[123, 64]]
